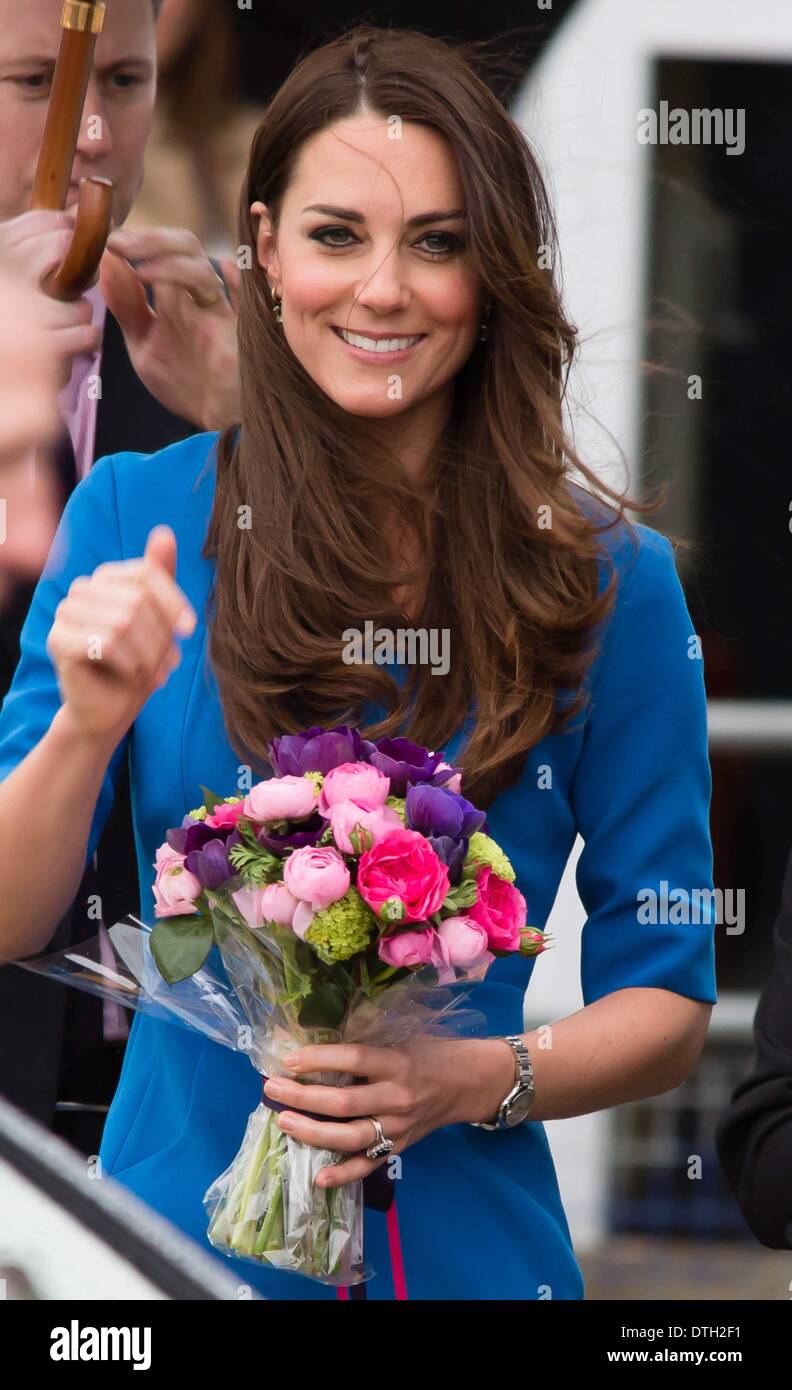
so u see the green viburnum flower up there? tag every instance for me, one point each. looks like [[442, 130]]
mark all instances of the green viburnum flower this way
[[200, 813], [397, 803], [316, 777], [342, 929], [483, 850]]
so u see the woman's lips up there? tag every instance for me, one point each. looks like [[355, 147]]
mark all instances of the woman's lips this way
[[371, 355]]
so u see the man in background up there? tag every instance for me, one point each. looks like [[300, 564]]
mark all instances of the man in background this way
[[150, 357]]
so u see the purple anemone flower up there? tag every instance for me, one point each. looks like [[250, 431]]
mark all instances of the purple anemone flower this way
[[435, 811], [317, 750]]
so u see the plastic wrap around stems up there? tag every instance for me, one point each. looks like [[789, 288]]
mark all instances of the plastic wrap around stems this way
[[267, 1206], [264, 992]]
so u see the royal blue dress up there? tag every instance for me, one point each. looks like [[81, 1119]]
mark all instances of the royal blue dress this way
[[479, 1212]]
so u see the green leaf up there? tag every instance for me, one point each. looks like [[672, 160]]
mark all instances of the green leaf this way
[[325, 1006], [210, 799], [180, 946]]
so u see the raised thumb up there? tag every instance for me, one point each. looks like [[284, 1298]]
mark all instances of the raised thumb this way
[[161, 546]]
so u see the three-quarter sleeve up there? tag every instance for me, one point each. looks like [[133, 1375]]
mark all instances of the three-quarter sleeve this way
[[641, 791], [88, 535]]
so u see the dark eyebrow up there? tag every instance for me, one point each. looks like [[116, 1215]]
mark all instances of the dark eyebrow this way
[[349, 215], [41, 60]]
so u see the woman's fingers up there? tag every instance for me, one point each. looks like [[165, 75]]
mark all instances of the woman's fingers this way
[[117, 613], [340, 1101], [70, 643], [359, 1058], [346, 1138]]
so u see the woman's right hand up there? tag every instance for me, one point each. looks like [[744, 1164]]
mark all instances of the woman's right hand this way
[[113, 638]]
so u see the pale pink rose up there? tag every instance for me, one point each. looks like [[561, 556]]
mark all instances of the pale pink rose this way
[[500, 909], [466, 942], [281, 798], [412, 950], [175, 888], [271, 904], [225, 814], [358, 782], [317, 876], [455, 783], [302, 919], [345, 815]]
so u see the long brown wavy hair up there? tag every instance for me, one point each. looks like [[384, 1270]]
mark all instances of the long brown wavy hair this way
[[520, 599]]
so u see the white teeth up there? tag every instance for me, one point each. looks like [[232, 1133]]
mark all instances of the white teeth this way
[[378, 344]]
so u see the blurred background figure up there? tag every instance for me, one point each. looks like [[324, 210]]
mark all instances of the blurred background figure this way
[[30, 376], [203, 127]]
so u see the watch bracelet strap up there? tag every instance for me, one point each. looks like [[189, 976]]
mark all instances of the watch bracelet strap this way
[[523, 1078]]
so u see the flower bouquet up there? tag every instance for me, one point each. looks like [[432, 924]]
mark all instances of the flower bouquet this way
[[345, 894], [353, 897]]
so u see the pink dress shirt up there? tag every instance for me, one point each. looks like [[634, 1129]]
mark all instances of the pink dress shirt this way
[[79, 404]]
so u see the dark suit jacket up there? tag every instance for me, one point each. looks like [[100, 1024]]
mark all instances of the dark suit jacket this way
[[754, 1135], [32, 1010]]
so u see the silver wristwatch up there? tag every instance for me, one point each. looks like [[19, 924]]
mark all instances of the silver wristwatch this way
[[514, 1109]]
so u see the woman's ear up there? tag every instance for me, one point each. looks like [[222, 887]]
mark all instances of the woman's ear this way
[[266, 255]]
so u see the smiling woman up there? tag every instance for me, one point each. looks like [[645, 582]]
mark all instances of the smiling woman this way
[[401, 450]]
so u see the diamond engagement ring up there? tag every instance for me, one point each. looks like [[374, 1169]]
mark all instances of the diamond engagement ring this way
[[381, 1146]]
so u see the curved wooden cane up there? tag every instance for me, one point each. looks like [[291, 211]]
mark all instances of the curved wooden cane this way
[[81, 23]]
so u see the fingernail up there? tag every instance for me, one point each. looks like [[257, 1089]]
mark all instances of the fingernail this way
[[286, 1122], [292, 1059], [274, 1088], [186, 623]]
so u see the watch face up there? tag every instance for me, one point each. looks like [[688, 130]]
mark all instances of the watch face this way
[[519, 1108]]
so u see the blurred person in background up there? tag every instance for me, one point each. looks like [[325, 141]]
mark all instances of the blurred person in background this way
[[754, 1135], [160, 338], [30, 375], [202, 130]]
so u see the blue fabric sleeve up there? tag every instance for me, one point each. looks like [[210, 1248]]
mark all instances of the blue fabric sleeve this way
[[88, 535], [641, 793]]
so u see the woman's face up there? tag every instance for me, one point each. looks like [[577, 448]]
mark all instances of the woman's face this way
[[346, 259]]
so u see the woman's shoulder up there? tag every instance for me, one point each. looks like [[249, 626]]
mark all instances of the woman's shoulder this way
[[174, 486], [635, 551]]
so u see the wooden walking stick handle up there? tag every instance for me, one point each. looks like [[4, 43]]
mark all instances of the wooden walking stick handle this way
[[81, 24]]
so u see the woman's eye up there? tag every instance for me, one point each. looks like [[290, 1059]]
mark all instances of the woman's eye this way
[[322, 232], [123, 81], [449, 243]]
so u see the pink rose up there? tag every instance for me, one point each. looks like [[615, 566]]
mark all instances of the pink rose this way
[[302, 919], [403, 865], [271, 904], [317, 876], [175, 888], [500, 910], [225, 815], [281, 798], [345, 815], [465, 941], [358, 782], [411, 950]]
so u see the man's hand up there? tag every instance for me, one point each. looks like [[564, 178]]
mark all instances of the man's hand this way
[[186, 356], [32, 245]]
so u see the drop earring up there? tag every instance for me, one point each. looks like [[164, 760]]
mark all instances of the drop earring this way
[[484, 325], [277, 307]]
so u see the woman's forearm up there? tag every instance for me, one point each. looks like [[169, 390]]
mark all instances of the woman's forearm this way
[[630, 1044], [46, 808]]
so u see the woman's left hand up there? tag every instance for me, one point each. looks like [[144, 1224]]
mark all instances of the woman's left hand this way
[[411, 1089]]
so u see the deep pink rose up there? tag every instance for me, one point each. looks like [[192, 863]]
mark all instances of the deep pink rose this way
[[225, 815], [403, 865], [175, 888], [465, 941], [345, 815], [281, 798], [316, 876], [500, 910], [358, 782]]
